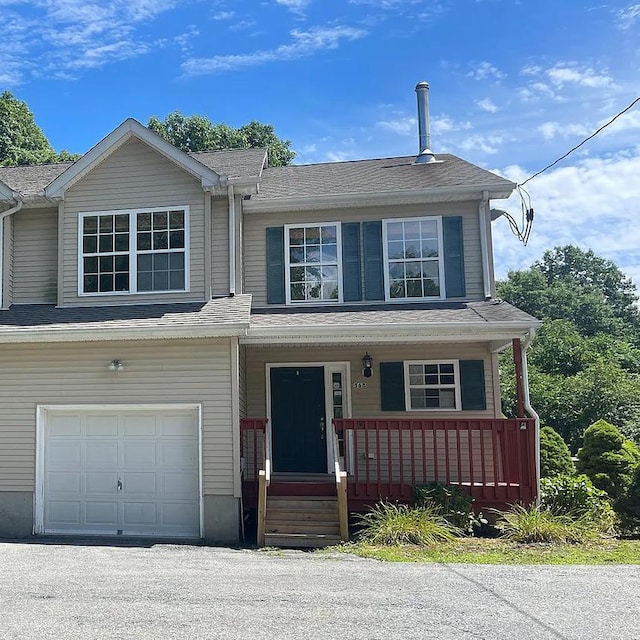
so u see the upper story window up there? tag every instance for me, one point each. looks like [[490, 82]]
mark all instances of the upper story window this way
[[313, 268], [413, 258], [134, 251], [431, 385]]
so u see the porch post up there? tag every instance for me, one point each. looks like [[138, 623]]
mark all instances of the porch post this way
[[517, 361]]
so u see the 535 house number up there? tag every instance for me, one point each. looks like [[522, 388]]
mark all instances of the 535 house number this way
[[359, 385]]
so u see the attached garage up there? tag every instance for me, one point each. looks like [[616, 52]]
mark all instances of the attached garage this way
[[119, 470]]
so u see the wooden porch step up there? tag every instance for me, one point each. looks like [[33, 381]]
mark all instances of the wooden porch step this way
[[300, 540], [291, 526], [305, 503]]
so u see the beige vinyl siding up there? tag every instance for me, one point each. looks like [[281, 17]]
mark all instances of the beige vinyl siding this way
[[366, 402], [178, 371], [35, 264], [220, 246], [134, 176], [255, 225]]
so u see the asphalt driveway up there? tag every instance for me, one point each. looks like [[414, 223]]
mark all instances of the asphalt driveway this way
[[69, 591]]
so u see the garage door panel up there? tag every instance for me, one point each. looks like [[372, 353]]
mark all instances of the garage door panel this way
[[65, 425], [134, 472], [140, 454], [136, 482], [101, 513], [63, 482], [62, 455], [139, 425], [101, 453], [64, 512], [101, 482]]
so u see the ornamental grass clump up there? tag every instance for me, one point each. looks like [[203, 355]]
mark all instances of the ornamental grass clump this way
[[535, 524], [394, 524]]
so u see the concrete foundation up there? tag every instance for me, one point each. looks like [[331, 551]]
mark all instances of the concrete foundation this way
[[221, 519], [16, 514]]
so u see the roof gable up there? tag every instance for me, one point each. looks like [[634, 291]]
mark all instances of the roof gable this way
[[131, 128], [5, 192]]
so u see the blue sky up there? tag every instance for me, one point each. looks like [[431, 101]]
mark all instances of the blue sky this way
[[514, 84]]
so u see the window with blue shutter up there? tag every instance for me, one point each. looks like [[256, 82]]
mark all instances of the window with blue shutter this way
[[275, 265], [392, 386], [453, 256], [351, 262], [373, 260], [472, 385]]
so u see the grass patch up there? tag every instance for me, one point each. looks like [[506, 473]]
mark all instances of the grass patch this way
[[491, 551]]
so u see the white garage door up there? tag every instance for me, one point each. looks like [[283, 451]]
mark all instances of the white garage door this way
[[124, 472]]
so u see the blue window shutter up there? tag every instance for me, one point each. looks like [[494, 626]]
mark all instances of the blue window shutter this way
[[453, 257], [392, 386], [275, 265], [373, 267], [351, 267], [472, 385]]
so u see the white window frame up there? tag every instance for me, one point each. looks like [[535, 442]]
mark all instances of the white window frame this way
[[133, 251], [287, 267], [385, 253], [456, 386]]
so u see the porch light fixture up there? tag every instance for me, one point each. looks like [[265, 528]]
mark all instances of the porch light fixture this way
[[116, 365], [367, 365]]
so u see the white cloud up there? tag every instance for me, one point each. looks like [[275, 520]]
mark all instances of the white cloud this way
[[223, 15], [402, 126], [486, 144], [295, 6], [592, 204], [387, 4], [304, 43], [572, 74], [486, 104], [628, 16], [486, 70], [444, 124], [551, 130]]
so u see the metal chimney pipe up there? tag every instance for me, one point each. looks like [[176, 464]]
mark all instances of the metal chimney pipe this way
[[424, 151]]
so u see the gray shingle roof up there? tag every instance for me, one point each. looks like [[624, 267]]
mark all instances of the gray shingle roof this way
[[480, 313], [377, 175], [32, 179], [217, 314]]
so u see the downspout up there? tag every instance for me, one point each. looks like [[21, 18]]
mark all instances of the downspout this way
[[3, 215], [530, 410], [232, 240], [484, 245]]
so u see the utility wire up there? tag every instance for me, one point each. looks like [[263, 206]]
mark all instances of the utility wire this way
[[593, 135]]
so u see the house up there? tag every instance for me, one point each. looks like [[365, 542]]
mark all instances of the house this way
[[187, 338]]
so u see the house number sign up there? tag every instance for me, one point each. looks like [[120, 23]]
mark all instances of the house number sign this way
[[359, 385]]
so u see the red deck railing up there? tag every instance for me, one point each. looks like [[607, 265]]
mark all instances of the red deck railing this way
[[494, 459]]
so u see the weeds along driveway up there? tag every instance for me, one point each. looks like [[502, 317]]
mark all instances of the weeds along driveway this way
[[69, 591]]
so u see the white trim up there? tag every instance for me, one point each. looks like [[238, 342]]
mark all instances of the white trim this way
[[456, 386], [232, 239], [484, 244], [328, 368], [287, 264], [41, 420], [133, 251], [375, 198], [385, 258], [131, 128]]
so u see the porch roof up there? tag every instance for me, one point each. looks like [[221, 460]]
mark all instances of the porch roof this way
[[47, 323], [443, 321]]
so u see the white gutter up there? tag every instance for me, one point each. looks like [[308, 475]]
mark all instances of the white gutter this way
[[3, 215], [484, 245], [232, 240], [527, 405]]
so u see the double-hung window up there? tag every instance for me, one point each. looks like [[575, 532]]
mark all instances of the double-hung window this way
[[313, 270], [413, 255], [432, 385], [134, 251]]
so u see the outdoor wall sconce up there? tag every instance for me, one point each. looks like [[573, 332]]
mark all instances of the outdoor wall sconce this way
[[367, 365], [116, 365]]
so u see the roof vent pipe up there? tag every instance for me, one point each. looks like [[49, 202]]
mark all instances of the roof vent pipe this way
[[425, 154]]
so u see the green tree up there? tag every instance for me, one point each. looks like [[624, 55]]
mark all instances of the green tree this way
[[555, 458], [608, 459], [198, 133]]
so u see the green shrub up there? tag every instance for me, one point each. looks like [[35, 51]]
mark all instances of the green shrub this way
[[629, 506], [534, 524], [608, 459], [555, 458], [450, 500], [576, 497], [392, 524]]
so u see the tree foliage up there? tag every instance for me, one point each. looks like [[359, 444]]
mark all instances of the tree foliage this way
[[198, 133], [21, 139], [555, 458], [608, 459]]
